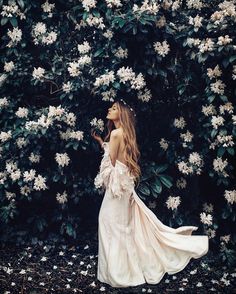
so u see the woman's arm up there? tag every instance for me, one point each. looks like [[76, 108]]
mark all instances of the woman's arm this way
[[114, 145]]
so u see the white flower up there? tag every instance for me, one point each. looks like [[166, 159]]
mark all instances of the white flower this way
[[34, 157], [39, 29], [73, 69], [125, 74], [15, 36], [208, 110], [9, 66], [184, 168], [230, 196], [219, 165], [208, 207], [215, 72], [180, 122], [4, 136], [105, 79], [29, 175], [217, 121], [67, 87], [206, 218], [10, 10], [121, 53], [146, 7], [108, 34], [225, 140], [197, 4], [109, 95], [22, 112], [211, 233], [113, 3], [227, 107], [99, 123], [10, 195], [84, 47], [62, 198], [199, 284], [95, 21], [218, 87], [195, 158], [145, 96], [38, 73], [138, 82], [187, 137], [164, 144], [173, 202], [162, 48], [4, 102], [206, 45], [49, 38], [44, 258], [196, 21], [84, 60], [47, 7], [62, 159], [224, 40], [225, 238], [181, 183], [88, 4], [39, 183]]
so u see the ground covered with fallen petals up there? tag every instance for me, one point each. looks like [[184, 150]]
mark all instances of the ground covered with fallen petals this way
[[52, 267]]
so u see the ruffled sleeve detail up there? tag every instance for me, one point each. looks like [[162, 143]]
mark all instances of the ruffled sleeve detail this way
[[116, 178]]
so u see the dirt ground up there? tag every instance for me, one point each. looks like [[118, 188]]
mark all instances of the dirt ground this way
[[50, 267]]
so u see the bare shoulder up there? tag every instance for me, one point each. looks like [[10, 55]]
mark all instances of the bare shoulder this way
[[118, 133]]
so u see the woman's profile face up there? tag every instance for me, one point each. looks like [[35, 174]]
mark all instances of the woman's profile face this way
[[113, 112]]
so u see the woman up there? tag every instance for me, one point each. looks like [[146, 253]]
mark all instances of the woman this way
[[135, 247]]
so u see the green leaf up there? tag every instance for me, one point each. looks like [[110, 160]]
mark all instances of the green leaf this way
[[116, 85], [224, 98], [14, 22], [143, 188], [220, 151], [4, 20], [230, 150], [98, 52], [166, 180], [211, 98], [213, 133], [232, 58], [156, 186], [121, 22], [161, 168], [21, 3]]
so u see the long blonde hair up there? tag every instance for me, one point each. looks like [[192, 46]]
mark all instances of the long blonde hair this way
[[128, 124]]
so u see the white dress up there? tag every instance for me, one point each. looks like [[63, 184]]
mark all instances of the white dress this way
[[134, 246]]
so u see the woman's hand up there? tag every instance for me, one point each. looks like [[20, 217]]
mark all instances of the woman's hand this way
[[96, 137]]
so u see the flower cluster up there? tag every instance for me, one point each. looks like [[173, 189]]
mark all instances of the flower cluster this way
[[41, 35], [173, 202], [161, 48], [15, 36], [98, 123], [148, 7], [193, 165]]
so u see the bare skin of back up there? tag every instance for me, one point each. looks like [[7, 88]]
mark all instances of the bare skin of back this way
[[121, 149]]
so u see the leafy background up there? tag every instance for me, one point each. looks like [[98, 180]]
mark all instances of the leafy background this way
[[53, 92]]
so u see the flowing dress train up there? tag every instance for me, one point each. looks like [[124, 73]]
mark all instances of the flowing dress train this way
[[134, 246]]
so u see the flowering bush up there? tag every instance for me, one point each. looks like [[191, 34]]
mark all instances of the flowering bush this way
[[173, 60]]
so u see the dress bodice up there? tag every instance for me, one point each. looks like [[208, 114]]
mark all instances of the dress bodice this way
[[116, 178]]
